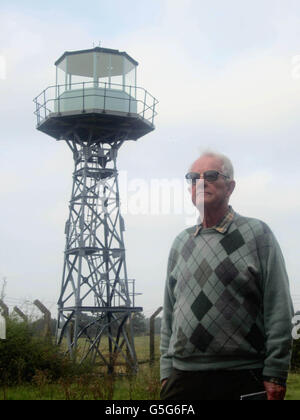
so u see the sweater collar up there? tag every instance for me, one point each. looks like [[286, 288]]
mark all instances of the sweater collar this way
[[222, 226]]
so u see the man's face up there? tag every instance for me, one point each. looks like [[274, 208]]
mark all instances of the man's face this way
[[210, 195]]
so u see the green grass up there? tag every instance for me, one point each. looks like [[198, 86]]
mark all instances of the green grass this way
[[144, 386], [293, 390]]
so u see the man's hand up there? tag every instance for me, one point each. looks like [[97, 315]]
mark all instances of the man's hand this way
[[275, 392], [163, 382]]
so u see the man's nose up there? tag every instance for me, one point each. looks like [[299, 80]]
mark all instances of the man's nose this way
[[200, 183]]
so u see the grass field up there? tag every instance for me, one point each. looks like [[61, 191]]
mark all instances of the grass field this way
[[293, 391], [144, 386]]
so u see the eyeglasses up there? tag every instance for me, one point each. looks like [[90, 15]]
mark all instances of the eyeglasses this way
[[209, 176]]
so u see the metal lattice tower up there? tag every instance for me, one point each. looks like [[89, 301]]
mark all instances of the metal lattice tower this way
[[95, 116]]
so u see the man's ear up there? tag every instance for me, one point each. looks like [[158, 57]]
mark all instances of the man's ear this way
[[231, 187]]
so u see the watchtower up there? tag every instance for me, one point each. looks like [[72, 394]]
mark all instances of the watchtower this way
[[96, 106]]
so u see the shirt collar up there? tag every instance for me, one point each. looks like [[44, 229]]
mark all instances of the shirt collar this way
[[222, 226]]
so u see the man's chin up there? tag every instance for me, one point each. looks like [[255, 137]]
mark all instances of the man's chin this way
[[204, 202], [205, 206]]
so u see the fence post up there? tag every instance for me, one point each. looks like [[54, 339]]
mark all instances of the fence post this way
[[132, 362], [152, 334], [47, 317], [5, 310], [3, 319], [70, 337], [21, 314]]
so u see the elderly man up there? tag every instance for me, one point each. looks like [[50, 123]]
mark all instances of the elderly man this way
[[226, 329]]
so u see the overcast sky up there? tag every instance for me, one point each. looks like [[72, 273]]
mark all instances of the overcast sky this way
[[227, 75]]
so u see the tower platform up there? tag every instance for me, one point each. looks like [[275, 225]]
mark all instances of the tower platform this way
[[94, 125]]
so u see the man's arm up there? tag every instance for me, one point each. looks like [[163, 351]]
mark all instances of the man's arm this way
[[167, 319], [278, 313]]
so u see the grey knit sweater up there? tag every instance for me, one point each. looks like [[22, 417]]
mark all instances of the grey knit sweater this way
[[227, 301]]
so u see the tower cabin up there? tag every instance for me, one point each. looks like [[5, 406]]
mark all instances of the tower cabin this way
[[105, 78], [91, 86]]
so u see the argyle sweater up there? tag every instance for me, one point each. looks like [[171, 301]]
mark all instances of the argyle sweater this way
[[227, 301]]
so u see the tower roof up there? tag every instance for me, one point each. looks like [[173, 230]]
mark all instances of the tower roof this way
[[99, 50]]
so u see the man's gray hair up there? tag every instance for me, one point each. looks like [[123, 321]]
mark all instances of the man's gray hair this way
[[227, 167]]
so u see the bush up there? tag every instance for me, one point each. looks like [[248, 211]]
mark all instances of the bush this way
[[23, 354]]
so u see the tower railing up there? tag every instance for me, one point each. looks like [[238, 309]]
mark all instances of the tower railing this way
[[134, 100]]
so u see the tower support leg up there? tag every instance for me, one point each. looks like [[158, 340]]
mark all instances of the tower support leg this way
[[95, 306]]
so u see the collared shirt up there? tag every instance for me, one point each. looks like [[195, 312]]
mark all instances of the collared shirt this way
[[222, 226]]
